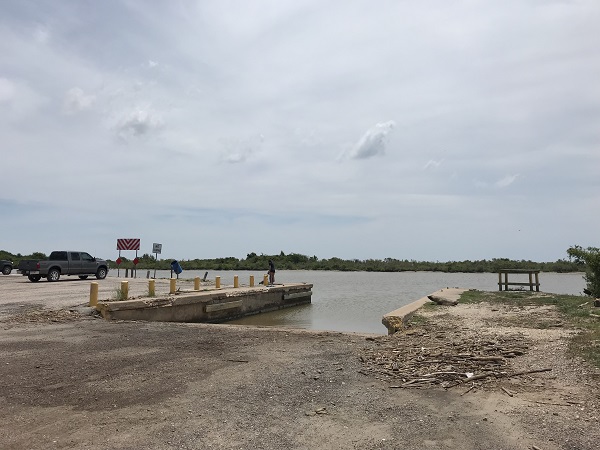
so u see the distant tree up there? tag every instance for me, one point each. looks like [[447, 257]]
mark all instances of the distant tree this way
[[590, 257]]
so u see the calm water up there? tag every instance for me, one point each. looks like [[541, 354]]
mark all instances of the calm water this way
[[356, 301]]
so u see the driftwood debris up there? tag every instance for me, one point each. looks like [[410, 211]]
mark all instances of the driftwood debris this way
[[442, 300], [509, 393], [445, 358], [469, 390], [525, 372]]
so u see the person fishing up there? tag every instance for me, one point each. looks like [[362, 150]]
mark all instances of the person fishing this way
[[271, 272]]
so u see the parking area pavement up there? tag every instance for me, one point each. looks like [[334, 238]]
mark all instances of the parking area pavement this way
[[69, 292]]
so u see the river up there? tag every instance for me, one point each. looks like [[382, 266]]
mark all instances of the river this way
[[356, 301]]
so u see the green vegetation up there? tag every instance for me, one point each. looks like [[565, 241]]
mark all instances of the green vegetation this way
[[573, 309], [18, 257], [120, 294], [295, 261], [591, 258]]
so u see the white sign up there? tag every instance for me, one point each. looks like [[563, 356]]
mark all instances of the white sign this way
[[156, 248]]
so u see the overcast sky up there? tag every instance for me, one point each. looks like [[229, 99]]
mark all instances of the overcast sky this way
[[427, 130]]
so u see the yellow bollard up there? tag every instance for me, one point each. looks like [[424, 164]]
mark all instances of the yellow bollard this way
[[217, 282], [265, 279], [124, 290], [197, 283], [93, 294], [151, 288], [251, 280], [172, 285], [236, 281]]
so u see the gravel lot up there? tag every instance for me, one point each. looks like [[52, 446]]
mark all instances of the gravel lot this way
[[18, 292], [71, 380]]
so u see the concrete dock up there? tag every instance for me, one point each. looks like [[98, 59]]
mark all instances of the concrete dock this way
[[210, 305]]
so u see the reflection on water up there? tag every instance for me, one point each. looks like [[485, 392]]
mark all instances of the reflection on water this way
[[356, 301]]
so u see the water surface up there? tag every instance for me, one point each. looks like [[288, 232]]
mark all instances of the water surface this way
[[356, 301]]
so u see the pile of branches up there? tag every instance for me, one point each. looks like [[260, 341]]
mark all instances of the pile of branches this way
[[444, 358]]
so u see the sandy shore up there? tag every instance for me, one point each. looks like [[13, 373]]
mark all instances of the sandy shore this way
[[70, 380]]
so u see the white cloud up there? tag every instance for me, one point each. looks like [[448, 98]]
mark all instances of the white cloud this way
[[373, 142], [137, 123], [76, 101], [506, 181], [41, 35], [432, 163], [498, 184], [7, 90], [18, 100], [240, 150], [235, 158]]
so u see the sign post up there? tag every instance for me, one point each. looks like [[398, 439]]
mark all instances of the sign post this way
[[128, 244], [156, 249]]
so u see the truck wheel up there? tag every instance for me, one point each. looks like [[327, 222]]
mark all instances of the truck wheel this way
[[53, 275], [34, 278], [101, 273], [83, 277], [6, 270]]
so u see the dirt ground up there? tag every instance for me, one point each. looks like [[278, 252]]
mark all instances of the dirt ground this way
[[70, 380]]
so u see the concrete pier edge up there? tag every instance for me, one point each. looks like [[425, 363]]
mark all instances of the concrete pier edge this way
[[208, 305], [396, 320]]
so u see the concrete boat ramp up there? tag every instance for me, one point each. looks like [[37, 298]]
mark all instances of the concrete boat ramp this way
[[396, 320], [210, 305], [221, 304]]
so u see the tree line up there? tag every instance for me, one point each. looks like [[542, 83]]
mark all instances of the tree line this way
[[296, 261]]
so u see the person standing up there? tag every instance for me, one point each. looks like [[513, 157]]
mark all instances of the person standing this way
[[271, 272]]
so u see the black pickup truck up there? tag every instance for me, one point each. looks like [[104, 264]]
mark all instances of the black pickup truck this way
[[60, 263], [6, 267]]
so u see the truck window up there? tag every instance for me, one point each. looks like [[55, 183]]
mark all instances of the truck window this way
[[75, 256], [58, 256], [86, 257]]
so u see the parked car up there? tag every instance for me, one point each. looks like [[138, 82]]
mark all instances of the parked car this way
[[63, 262], [6, 267]]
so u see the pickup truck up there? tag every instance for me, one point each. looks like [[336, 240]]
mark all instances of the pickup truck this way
[[60, 263], [6, 267]]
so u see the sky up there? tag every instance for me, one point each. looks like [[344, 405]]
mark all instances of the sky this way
[[427, 130]]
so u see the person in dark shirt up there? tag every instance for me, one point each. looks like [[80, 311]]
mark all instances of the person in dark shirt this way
[[271, 272]]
